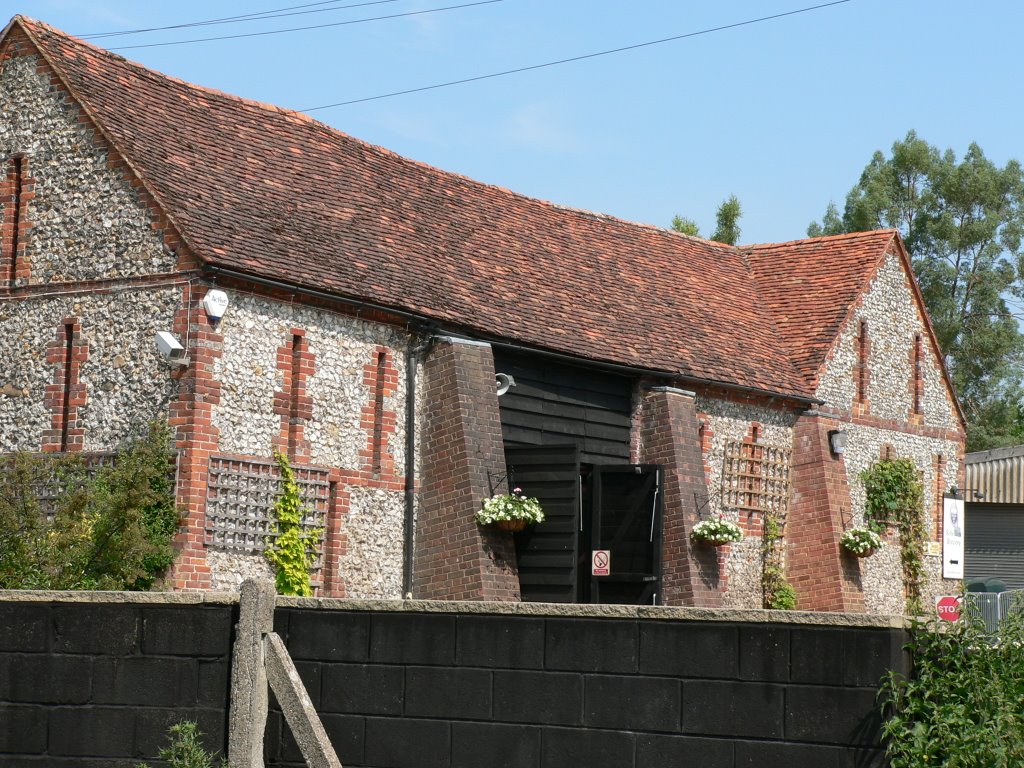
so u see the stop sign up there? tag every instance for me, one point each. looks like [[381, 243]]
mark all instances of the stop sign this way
[[948, 608]]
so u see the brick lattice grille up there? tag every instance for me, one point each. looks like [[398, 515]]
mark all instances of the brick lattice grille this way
[[240, 502], [756, 477]]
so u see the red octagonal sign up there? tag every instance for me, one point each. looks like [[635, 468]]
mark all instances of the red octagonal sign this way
[[948, 608]]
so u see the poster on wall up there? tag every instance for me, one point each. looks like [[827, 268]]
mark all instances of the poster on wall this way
[[952, 538]]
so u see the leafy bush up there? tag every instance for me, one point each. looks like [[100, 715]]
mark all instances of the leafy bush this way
[[110, 528], [186, 749], [292, 552], [963, 704]]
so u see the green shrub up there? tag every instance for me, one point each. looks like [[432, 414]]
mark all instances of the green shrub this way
[[963, 704], [108, 529], [186, 750]]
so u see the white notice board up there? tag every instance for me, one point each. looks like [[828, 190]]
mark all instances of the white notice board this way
[[952, 538]]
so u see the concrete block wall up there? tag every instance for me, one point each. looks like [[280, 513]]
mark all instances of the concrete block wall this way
[[95, 679], [617, 687], [98, 683]]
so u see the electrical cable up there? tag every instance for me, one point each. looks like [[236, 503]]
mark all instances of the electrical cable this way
[[572, 59], [316, 26], [273, 13]]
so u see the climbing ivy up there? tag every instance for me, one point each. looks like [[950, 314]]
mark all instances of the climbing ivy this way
[[292, 552], [894, 495], [776, 591]]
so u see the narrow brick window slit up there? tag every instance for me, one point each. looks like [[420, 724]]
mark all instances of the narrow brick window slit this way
[[294, 393], [16, 180], [69, 347], [862, 362], [918, 375], [378, 412]]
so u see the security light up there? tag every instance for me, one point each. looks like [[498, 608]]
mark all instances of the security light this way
[[837, 441]]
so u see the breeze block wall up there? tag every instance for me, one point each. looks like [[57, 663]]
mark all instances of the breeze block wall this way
[[95, 679], [96, 682]]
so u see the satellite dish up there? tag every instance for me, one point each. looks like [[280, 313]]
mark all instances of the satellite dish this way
[[504, 382]]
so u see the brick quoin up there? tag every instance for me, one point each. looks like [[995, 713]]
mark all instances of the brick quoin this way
[[825, 579], [461, 446], [691, 574], [195, 436], [67, 394]]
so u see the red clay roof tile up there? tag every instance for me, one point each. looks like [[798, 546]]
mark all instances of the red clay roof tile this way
[[279, 195]]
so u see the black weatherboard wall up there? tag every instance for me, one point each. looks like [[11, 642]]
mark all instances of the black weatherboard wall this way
[[401, 685], [558, 404]]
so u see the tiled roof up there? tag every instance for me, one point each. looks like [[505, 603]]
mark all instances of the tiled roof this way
[[278, 195], [809, 287]]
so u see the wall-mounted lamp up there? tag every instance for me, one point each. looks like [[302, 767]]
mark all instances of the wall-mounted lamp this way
[[171, 349], [505, 382], [215, 302], [837, 441], [954, 492]]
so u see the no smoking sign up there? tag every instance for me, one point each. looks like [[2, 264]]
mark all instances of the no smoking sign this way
[[600, 562]]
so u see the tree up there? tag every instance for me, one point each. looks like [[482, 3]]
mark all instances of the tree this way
[[686, 226], [962, 222], [727, 218], [727, 229]]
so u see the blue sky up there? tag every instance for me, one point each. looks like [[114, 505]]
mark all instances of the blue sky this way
[[785, 113]]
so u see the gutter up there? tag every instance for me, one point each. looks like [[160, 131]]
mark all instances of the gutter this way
[[431, 324]]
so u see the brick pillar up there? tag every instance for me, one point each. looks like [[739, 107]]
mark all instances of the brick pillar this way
[[196, 437], [825, 579], [670, 437], [460, 442]]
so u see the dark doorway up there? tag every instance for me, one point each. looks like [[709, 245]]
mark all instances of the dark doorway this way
[[589, 508]]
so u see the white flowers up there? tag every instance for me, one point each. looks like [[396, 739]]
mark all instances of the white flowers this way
[[510, 506], [860, 541], [716, 531]]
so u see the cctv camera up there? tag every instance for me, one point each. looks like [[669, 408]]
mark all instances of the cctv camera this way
[[170, 348]]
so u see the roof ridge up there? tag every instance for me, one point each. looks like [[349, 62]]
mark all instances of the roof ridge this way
[[313, 122], [888, 231]]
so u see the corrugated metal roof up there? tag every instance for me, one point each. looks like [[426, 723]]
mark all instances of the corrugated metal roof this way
[[998, 474]]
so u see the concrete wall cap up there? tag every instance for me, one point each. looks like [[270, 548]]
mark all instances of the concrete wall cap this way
[[674, 391], [461, 340]]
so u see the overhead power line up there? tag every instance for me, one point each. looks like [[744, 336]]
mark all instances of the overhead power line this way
[[274, 13], [315, 26], [573, 58]]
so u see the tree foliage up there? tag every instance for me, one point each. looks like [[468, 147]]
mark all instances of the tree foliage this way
[[962, 221], [727, 228], [963, 704], [110, 528]]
